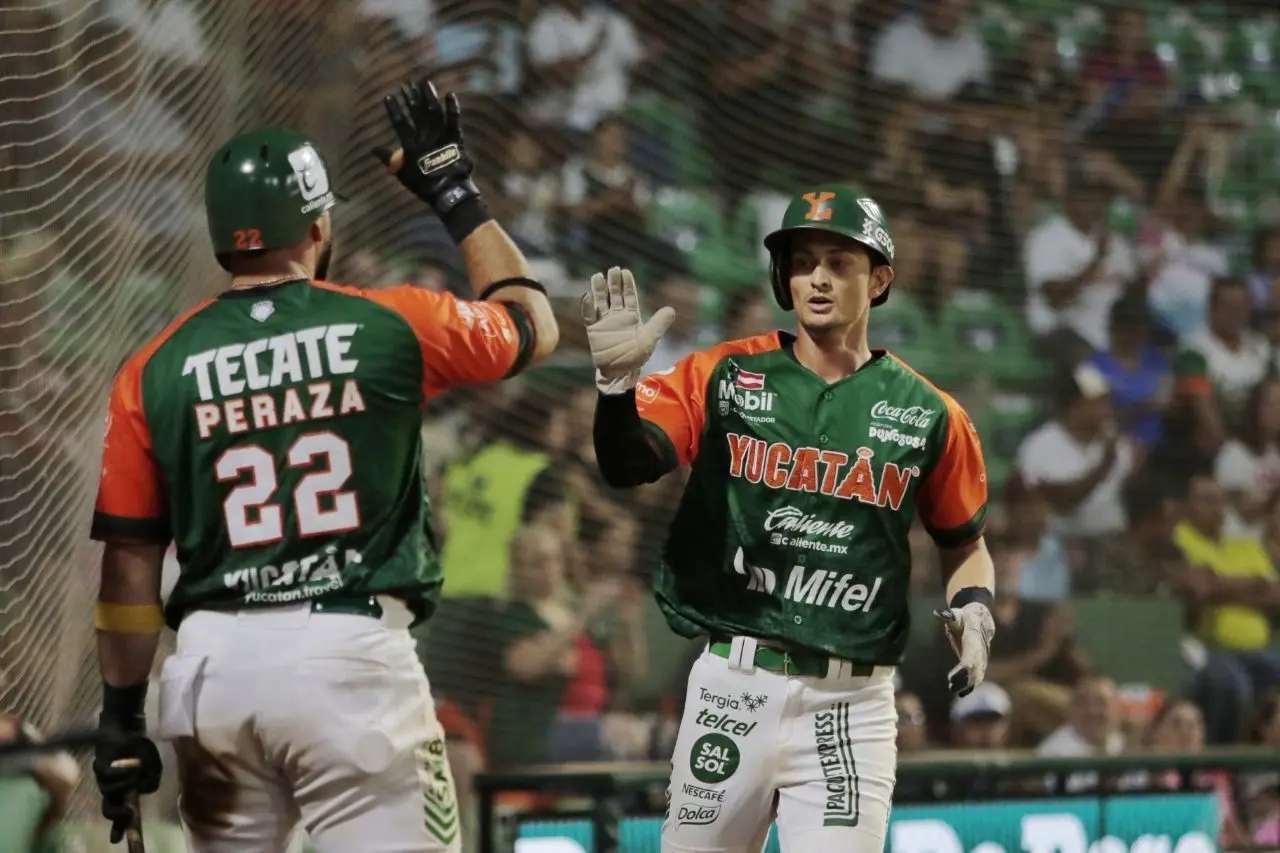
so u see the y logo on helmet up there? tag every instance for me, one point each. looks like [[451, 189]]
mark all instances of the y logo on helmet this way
[[819, 206], [313, 180]]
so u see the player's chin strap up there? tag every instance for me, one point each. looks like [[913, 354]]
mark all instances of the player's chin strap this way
[[517, 281]]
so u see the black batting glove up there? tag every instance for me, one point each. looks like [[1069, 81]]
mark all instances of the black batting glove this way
[[126, 763], [436, 167]]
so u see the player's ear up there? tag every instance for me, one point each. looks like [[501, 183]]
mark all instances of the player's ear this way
[[881, 278]]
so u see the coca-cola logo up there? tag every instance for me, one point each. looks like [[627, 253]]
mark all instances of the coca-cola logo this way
[[915, 416]]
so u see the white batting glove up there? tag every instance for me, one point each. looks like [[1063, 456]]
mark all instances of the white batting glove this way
[[620, 342], [969, 630]]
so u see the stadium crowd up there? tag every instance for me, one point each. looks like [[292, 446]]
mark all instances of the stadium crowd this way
[[1083, 201]]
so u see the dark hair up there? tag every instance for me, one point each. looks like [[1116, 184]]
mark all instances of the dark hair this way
[[1222, 285], [1258, 243], [1131, 310]]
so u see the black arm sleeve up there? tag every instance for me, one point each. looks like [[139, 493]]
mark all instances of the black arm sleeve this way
[[627, 453]]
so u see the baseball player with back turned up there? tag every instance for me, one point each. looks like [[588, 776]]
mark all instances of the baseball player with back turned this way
[[273, 433], [810, 457]]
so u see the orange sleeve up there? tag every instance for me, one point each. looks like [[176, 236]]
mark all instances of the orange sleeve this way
[[463, 342], [675, 402], [131, 504], [953, 501]]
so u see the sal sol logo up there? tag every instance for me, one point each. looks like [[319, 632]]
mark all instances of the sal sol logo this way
[[819, 206], [714, 758]]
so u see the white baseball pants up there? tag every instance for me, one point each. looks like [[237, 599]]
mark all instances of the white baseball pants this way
[[283, 717], [817, 754]]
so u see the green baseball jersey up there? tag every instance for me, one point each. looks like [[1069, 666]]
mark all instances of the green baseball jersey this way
[[274, 435], [794, 523]]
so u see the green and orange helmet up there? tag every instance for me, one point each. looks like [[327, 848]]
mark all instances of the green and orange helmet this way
[[836, 209], [264, 189]]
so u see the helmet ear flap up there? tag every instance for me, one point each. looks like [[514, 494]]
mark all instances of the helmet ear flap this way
[[780, 278]]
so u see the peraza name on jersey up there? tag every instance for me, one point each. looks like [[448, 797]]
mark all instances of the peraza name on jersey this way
[[240, 384], [808, 469]]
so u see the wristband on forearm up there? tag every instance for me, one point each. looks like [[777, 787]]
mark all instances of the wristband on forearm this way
[[973, 594], [462, 218], [124, 707]]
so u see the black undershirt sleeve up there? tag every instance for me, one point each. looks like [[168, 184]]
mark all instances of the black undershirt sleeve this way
[[629, 452]]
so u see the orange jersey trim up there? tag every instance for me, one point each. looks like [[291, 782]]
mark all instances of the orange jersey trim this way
[[131, 487], [675, 400], [462, 342], [955, 492]]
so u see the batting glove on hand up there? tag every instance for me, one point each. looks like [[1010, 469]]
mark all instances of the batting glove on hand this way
[[126, 763], [620, 342], [431, 162], [969, 630]]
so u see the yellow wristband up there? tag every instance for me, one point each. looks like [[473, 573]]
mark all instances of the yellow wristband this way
[[128, 618]]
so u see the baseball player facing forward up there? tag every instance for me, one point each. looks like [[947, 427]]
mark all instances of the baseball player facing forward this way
[[273, 433], [810, 455]]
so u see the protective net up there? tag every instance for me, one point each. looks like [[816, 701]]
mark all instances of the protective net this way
[[1067, 184]]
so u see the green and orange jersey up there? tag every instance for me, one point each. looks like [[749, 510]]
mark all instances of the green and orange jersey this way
[[274, 434], [794, 523]]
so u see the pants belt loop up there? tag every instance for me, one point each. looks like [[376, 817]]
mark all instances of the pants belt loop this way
[[742, 654]]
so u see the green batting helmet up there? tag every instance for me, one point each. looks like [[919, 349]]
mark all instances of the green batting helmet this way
[[837, 209], [264, 189]]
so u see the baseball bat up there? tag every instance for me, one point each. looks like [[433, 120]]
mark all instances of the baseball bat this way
[[133, 832]]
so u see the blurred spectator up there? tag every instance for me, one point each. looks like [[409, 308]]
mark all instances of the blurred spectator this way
[[549, 650], [507, 481], [1143, 560], [530, 190], [167, 30], [748, 312], [1184, 260], [1125, 93], [981, 719], [912, 731], [1036, 95], [1044, 572], [1137, 373], [687, 333], [1076, 269], [1213, 374], [1178, 727], [1092, 728], [1079, 460], [607, 201], [1035, 654], [55, 772], [1231, 592], [933, 55], [362, 267], [1248, 467], [582, 54], [1264, 270], [1260, 791], [760, 63]]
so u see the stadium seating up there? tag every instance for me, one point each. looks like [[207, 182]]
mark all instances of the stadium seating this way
[[986, 338]]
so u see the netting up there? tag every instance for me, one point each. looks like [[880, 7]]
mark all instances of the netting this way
[[1066, 182]]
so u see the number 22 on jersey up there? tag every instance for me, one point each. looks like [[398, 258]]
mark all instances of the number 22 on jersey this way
[[321, 507]]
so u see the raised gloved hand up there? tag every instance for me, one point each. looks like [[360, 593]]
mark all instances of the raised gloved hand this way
[[620, 341], [126, 764], [432, 162], [969, 629]]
